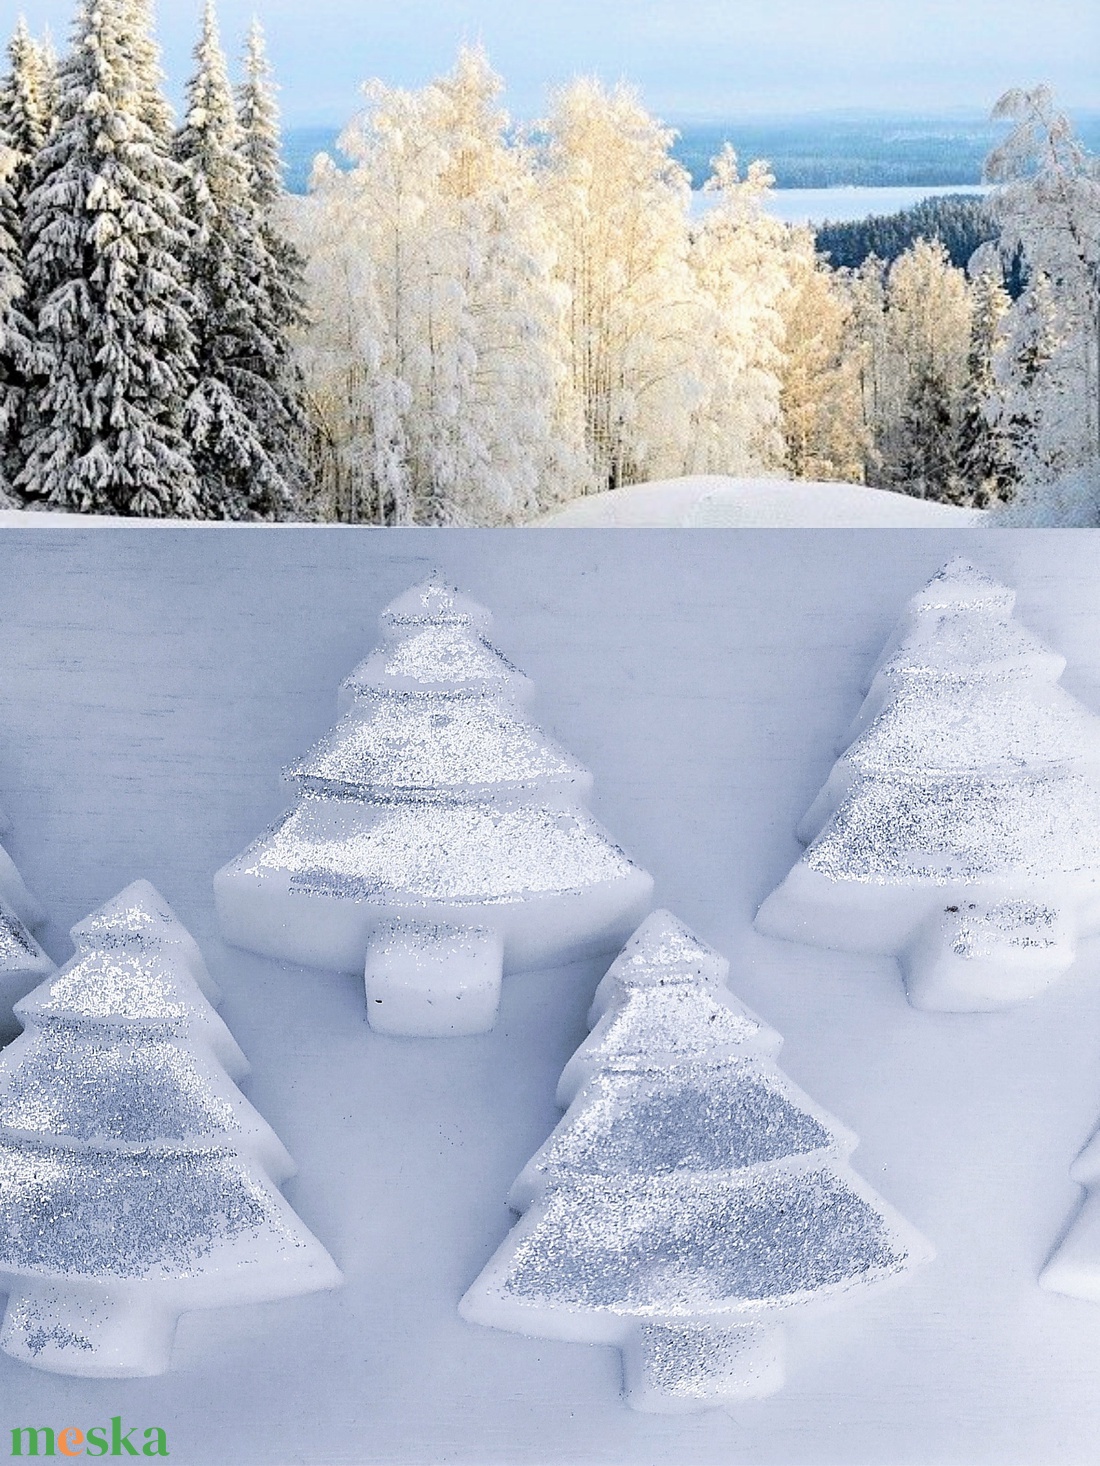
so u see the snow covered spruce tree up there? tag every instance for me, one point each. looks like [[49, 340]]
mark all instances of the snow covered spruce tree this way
[[1048, 206], [154, 108], [17, 353], [136, 1181], [23, 964], [690, 1195], [24, 123], [284, 265], [961, 829], [106, 245], [438, 835], [237, 421], [25, 105], [432, 361]]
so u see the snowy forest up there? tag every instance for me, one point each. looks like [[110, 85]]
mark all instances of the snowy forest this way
[[467, 322]]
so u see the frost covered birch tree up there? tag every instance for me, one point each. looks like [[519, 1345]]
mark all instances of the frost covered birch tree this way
[[741, 265], [822, 408], [431, 361], [1048, 206], [236, 419], [617, 203], [929, 315], [105, 244]]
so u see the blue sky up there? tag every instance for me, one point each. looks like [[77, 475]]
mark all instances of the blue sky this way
[[690, 58]]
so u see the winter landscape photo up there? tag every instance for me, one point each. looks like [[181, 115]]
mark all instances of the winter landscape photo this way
[[472, 264]]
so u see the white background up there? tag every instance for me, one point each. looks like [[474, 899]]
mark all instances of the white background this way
[[153, 683]]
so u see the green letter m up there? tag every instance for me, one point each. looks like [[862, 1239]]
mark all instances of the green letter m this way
[[33, 1437]]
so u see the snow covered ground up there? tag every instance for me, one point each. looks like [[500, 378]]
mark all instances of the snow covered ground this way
[[713, 502], [153, 686]]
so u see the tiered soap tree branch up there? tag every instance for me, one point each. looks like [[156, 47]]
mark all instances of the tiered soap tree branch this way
[[961, 829], [23, 963]]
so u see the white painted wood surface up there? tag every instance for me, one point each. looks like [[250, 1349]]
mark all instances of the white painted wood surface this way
[[151, 687]]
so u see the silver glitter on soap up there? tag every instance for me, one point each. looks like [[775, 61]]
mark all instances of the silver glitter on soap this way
[[137, 920], [663, 950], [452, 747], [689, 1246], [676, 1020], [960, 649], [960, 586], [17, 949], [696, 1117], [123, 1214], [435, 658], [118, 985], [972, 784], [434, 790], [484, 853], [984, 931], [135, 1178], [703, 1364], [434, 603], [995, 728], [106, 1086], [967, 830]]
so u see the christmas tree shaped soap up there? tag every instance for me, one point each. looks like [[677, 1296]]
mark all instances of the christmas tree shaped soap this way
[[439, 836], [23, 964], [690, 1195], [136, 1181], [961, 829]]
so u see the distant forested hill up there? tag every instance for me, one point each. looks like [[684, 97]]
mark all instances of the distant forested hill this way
[[825, 150], [960, 222]]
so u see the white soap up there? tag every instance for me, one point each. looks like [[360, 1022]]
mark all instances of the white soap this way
[[139, 919], [960, 831], [664, 999], [981, 956], [435, 803], [672, 1370], [136, 1181], [23, 965], [680, 1203], [15, 896], [429, 981], [1074, 1267]]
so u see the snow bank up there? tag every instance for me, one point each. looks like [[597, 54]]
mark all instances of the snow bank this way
[[713, 502]]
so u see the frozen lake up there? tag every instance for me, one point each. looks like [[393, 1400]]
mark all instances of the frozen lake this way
[[841, 205]]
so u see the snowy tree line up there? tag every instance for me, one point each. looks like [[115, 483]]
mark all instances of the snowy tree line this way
[[146, 294], [500, 322], [468, 324]]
